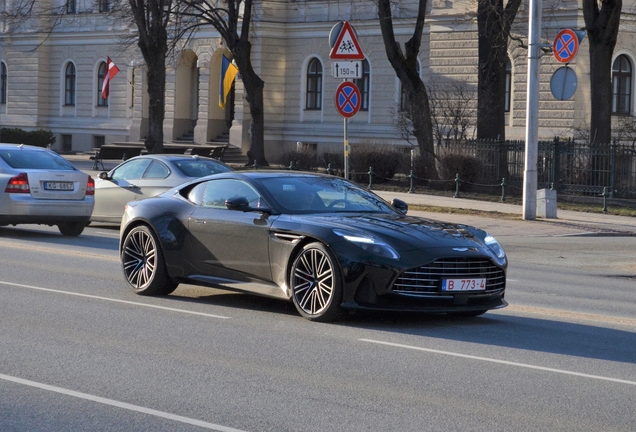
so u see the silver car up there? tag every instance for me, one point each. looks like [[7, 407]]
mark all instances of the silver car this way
[[145, 176], [41, 187]]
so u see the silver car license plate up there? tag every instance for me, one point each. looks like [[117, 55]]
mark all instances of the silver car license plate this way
[[58, 186]]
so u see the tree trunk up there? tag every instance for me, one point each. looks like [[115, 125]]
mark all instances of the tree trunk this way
[[254, 93], [493, 44], [156, 76], [405, 66], [602, 28]]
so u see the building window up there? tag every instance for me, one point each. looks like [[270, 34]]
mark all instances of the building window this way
[[508, 90], [314, 85], [69, 85], [67, 143], [104, 5], [622, 86], [363, 85], [98, 141], [3, 83], [70, 7], [101, 73]]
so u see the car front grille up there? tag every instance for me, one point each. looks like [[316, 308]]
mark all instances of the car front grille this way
[[427, 280]]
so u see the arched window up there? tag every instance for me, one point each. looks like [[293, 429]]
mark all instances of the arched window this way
[[69, 85], [508, 90], [101, 73], [622, 86], [3, 83], [314, 85], [363, 85]]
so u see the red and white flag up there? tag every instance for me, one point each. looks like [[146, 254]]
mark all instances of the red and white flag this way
[[111, 71]]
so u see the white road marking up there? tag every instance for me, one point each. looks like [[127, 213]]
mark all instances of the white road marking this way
[[113, 300], [119, 404], [505, 362]]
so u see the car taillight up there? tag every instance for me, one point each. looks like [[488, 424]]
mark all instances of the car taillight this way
[[18, 184], [90, 187]]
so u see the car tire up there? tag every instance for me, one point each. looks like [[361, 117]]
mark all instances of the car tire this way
[[316, 283], [143, 264], [71, 229]]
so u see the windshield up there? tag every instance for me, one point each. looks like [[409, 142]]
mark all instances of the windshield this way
[[20, 158], [296, 194]]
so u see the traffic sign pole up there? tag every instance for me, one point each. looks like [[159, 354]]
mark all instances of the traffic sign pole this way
[[344, 46]]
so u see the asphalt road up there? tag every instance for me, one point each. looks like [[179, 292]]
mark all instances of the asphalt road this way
[[81, 352]]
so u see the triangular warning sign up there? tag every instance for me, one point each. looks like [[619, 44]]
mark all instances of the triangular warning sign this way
[[346, 46]]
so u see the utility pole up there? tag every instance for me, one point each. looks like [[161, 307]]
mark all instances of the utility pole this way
[[532, 112]]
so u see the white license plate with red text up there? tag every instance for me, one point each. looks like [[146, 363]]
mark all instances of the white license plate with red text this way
[[464, 284]]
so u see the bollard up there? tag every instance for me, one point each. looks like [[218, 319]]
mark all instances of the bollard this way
[[291, 166], [605, 195], [457, 182], [329, 169], [411, 175], [503, 189], [370, 177], [255, 166]]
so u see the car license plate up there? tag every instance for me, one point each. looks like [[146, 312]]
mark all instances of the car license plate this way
[[464, 284], [58, 186]]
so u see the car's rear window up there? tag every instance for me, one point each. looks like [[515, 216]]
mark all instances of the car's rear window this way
[[199, 167], [33, 159]]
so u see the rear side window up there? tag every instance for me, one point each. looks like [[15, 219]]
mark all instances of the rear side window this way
[[34, 159], [199, 167]]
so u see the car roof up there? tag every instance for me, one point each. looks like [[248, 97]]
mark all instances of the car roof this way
[[24, 146], [173, 157]]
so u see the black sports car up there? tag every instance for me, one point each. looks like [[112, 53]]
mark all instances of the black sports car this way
[[317, 240]]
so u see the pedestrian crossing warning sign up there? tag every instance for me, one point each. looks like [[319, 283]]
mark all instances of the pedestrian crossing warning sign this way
[[346, 46]]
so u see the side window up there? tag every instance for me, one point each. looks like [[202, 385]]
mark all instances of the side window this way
[[104, 5], [217, 191], [131, 170], [313, 98], [196, 194], [156, 170], [71, 6]]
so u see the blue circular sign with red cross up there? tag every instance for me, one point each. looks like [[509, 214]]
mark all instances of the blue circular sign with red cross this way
[[348, 99], [565, 46]]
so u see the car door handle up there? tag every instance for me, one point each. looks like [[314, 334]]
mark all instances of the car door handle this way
[[200, 221], [132, 186]]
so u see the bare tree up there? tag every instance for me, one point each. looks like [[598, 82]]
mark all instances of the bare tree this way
[[405, 65], [602, 19], [232, 19], [452, 110]]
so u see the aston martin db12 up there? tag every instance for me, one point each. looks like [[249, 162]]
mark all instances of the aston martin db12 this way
[[319, 241]]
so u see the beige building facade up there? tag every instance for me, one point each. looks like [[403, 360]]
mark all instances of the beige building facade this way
[[53, 81]]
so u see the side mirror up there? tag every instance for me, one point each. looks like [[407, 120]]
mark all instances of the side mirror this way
[[400, 205], [103, 175], [241, 203], [237, 203]]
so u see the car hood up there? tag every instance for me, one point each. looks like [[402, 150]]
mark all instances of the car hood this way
[[401, 231]]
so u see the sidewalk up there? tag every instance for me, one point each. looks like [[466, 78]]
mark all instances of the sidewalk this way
[[566, 223]]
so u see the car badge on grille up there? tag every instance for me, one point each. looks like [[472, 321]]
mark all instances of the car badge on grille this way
[[465, 249]]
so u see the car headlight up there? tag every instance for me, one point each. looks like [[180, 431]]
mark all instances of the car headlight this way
[[494, 245], [369, 244]]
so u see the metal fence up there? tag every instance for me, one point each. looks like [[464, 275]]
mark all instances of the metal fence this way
[[570, 167]]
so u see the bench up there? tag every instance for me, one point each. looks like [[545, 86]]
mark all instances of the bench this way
[[118, 152]]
